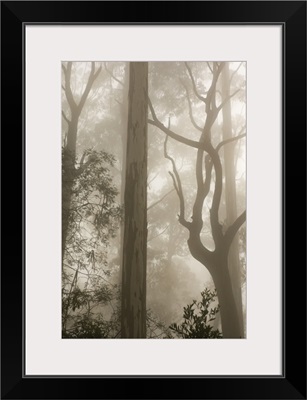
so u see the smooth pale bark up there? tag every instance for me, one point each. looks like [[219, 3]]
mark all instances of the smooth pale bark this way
[[217, 264], [230, 195], [133, 311], [228, 310]]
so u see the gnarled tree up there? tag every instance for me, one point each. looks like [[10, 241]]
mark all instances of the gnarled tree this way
[[207, 166]]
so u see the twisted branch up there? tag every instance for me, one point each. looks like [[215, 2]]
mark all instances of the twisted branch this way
[[203, 99], [190, 108], [168, 132], [232, 139], [233, 229], [178, 187]]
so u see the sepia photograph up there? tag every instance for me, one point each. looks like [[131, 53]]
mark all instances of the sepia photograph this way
[[154, 200]]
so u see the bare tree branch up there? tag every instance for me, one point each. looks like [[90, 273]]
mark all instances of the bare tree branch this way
[[203, 99], [203, 190], [159, 234], [203, 145], [66, 119], [91, 79], [213, 160], [234, 72], [178, 187], [217, 194], [112, 76], [152, 179], [233, 229], [211, 94], [227, 99], [159, 201], [173, 135], [174, 182], [234, 138], [190, 108], [209, 66]]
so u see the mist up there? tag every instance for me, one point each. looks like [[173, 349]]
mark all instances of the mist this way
[[154, 200]]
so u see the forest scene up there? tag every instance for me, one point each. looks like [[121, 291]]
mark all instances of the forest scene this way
[[154, 200]]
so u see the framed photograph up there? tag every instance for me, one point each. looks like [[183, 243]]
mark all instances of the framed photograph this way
[[163, 151]]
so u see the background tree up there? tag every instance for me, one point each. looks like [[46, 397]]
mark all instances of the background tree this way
[[230, 191], [69, 154]]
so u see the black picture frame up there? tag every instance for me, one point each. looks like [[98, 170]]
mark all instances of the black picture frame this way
[[292, 16]]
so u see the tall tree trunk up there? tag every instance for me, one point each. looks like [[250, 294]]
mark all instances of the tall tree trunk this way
[[230, 195], [133, 311]]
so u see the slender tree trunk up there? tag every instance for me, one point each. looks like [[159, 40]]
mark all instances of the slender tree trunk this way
[[133, 318], [230, 196]]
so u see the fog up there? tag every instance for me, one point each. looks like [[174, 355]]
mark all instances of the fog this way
[[183, 258]]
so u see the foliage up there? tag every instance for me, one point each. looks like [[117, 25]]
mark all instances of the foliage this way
[[198, 317], [94, 198], [155, 328], [92, 327], [93, 214], [89, 294], [90, 313]]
